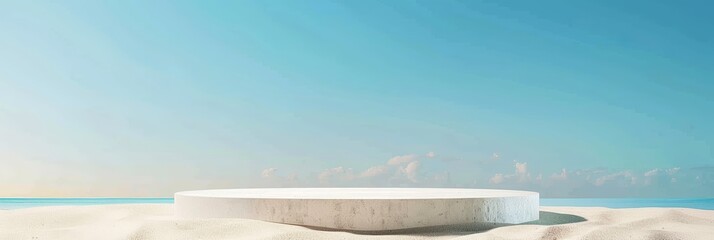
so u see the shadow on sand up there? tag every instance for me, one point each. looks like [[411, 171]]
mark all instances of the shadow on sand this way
[[552, 218], [545, 218]]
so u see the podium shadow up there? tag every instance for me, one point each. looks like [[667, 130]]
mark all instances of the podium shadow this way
[[545, 218]]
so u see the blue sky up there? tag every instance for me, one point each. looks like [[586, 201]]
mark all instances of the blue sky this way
[[572, 99]]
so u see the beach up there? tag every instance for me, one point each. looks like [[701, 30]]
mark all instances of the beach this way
[[157, 221]]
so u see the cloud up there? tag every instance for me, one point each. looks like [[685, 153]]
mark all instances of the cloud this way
[[490, 160], [659, 176], [374, 171], [669, 172], [603, 182], [268, 172], [406, 169], [625, 176], [293, 177], [271, 178], [672, 171], [497, 179], [521, 168], [563, 175], [411, 170], [414, 170], [520, 174], [338, 173], [399, 160], [651, 173]]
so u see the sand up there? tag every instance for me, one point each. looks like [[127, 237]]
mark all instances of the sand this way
[[156, 221]]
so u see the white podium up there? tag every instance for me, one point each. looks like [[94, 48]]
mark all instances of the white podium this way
[[362, 209]]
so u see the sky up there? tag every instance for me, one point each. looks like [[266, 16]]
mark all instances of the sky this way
[[146, 98]]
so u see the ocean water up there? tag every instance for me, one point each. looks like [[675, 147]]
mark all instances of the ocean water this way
[[699, 203], [16, 203]]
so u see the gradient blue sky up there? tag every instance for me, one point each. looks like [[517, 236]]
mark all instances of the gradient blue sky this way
[[144, 98]]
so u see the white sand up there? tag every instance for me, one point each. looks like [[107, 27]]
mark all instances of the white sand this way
[[156, 221]]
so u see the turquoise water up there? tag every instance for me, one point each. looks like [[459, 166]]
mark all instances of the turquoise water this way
[[16, 203], [699, 203]]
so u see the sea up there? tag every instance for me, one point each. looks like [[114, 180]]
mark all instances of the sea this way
[[698, 203]]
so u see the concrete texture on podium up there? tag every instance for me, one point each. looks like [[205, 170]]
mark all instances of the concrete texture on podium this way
[[363, 209]]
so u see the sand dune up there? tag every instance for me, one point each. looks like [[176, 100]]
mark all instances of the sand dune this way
[[156, 221]]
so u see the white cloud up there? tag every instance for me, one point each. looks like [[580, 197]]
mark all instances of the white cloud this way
[[672, 171], [411, 170], [374, 171], [414, 170], [563, 175], [657, 171], [656, 175], [293, 177], [271, 177], [406, 168], [521, 174], [268, 172], [601, 182], [495, 156], [340, 173], [625, 175], [398, 160], [652, 172], [497, 179], [521, 168]]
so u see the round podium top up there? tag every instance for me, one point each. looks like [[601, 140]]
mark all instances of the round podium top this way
[[356, 193]]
